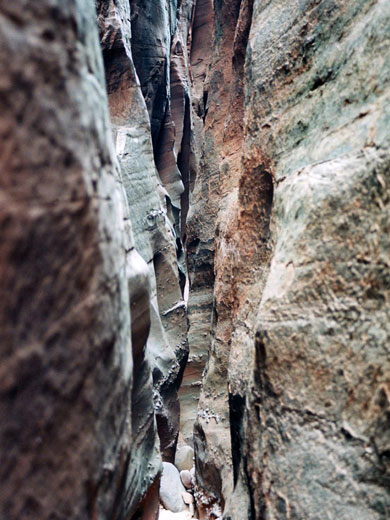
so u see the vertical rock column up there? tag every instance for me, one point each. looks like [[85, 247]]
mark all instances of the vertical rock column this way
[[149, 203], [65, 265], [132, 137], [216, 210], [199, 223], [317, 105]]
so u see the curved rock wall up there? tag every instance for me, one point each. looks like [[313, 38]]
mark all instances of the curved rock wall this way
[[154, 232], [241, 155]]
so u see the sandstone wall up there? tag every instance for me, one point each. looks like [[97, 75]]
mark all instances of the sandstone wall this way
[[66, 260], [93, 322], [155, 236], [236, 150], [299, 360]]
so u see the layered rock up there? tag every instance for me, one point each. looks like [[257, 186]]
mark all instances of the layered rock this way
[[94, 335], [200, 221], [155, 236], [251, 139], [218, 185], [299, 362]]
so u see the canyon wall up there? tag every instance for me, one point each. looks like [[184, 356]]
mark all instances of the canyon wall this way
[[294, 408], [202, 181], [67, 258], [93, 322]]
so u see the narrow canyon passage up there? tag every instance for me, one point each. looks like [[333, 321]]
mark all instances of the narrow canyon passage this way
[[195, 260]]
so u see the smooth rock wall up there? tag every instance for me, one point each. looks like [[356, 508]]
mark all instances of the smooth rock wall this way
[[155, 237]]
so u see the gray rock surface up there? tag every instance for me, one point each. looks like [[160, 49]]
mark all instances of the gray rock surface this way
[[186, 478], [171, 489], [245, 143], [93, 329], [321, 360], [184, 457], [154, 233], [297, 376]]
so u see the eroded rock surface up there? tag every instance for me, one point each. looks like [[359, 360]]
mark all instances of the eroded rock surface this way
[[150, 206], [241, 156], [94, 336], [66, 261], [299, 362]]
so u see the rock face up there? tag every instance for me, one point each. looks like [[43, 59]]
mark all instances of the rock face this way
[[229, 158], [298, 171], [93, 323], [199, 231], [66, 262], [155, 236]]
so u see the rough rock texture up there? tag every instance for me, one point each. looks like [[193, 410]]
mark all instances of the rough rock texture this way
[[66, 261], [93, 323], [299, 359], [251, 153], [216, 192]]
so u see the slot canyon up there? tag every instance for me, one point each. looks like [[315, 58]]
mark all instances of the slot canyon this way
[[195, 259]]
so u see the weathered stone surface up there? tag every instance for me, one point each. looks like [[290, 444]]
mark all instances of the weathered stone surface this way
[[184, 458], [217, 185], [321, 361], [252, 139], [66, 261], [86, 443], [199, 232], [171, 489], [132, 135], [300, 203], [154, 234]]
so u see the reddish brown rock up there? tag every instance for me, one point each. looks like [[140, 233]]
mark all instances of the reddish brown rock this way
[[292, 363], [65, 343]]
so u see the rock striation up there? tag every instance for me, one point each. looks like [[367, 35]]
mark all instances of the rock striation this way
[[93, 322], [202, 181], [295, 391], [155, 236]]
